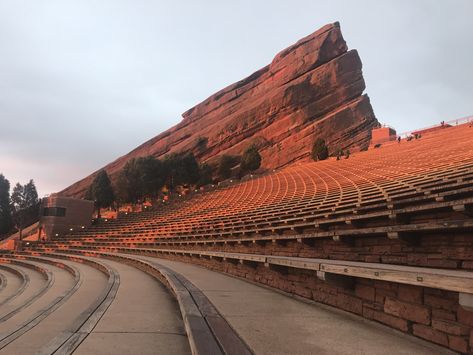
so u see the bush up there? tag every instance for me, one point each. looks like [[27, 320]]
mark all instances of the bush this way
[[319, 150], [201, 143], [250, 160], [206, 174], [225, 165]]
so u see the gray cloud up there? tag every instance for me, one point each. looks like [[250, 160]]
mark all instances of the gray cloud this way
[[83, 82]]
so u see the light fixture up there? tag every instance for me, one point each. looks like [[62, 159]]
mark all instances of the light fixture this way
[[82, 227], [71, 229]]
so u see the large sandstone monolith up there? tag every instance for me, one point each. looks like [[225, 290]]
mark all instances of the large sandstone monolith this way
[[312, 89]]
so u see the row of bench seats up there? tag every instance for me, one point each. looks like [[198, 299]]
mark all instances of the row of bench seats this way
[[400, 193]]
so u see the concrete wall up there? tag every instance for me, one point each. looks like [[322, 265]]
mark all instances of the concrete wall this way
[[78, 214], [382, 135]]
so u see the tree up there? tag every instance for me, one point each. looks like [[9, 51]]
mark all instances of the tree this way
[[151, 175], [319, 150], [18, 203], [25, 205], [6, 222], [250, 160], [102, 192], [206, 174], [181, 169], [225, 165], [31, 195], [129, 182]]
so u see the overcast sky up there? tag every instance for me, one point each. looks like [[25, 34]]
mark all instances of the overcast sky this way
[[83, 82]]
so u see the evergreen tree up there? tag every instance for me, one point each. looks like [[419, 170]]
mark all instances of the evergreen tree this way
[[31, 195], [6, 222], [225, 165], [102, 191], [25, 205], [181, 169], [250, 160], [206, 173], [129, 186], [151, 173], [319, 150]]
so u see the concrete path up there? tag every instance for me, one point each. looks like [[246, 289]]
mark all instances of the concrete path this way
[[93, 282], [13, 284], [36, 283], [144, 318], [273, 323]]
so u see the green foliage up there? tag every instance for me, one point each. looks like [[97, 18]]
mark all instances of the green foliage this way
[[101, 190], [206, 174], [347, 154], [181, 169], [338, 153], [151, 173], [319, 150], [250, 160], [201, 143], [31, 194], [145, 177], [129, 187], [6, 222], [225, 165], [25, 205]]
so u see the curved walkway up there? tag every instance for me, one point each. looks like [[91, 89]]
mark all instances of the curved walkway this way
[[16, 282], [28, 313], [91, 282], [273, 323], [141, 316], [142, 319]]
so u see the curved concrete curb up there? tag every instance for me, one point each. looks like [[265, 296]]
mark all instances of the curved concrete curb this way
[[208, 332], [46, 311], [48, 276], [69, 340], [3, 282], [25, 279]]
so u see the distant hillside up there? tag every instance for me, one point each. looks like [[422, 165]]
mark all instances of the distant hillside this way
[[312, 89]]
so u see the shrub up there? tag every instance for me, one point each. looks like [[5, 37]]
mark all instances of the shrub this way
[[250, 160], [225, 165], [319, 150]]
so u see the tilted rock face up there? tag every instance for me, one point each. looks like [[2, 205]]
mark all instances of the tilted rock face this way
[[312, 89]]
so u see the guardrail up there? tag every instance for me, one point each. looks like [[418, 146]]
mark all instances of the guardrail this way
[[455, 122]]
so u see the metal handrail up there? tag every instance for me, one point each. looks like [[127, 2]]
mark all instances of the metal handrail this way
[[455, 122]]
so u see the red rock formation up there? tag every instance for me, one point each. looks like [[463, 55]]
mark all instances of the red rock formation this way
[[312, 89]]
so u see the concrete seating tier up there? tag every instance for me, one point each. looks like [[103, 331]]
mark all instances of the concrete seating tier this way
[[385, 234], [209, 324]]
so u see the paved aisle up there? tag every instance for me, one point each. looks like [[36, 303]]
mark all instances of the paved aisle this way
[[93, 283], [144, 318], [272, 323]]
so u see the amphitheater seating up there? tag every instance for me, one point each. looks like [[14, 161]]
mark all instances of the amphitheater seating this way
[[385, 234]]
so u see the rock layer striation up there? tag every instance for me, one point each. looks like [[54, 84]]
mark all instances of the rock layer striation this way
[[312, 89]]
